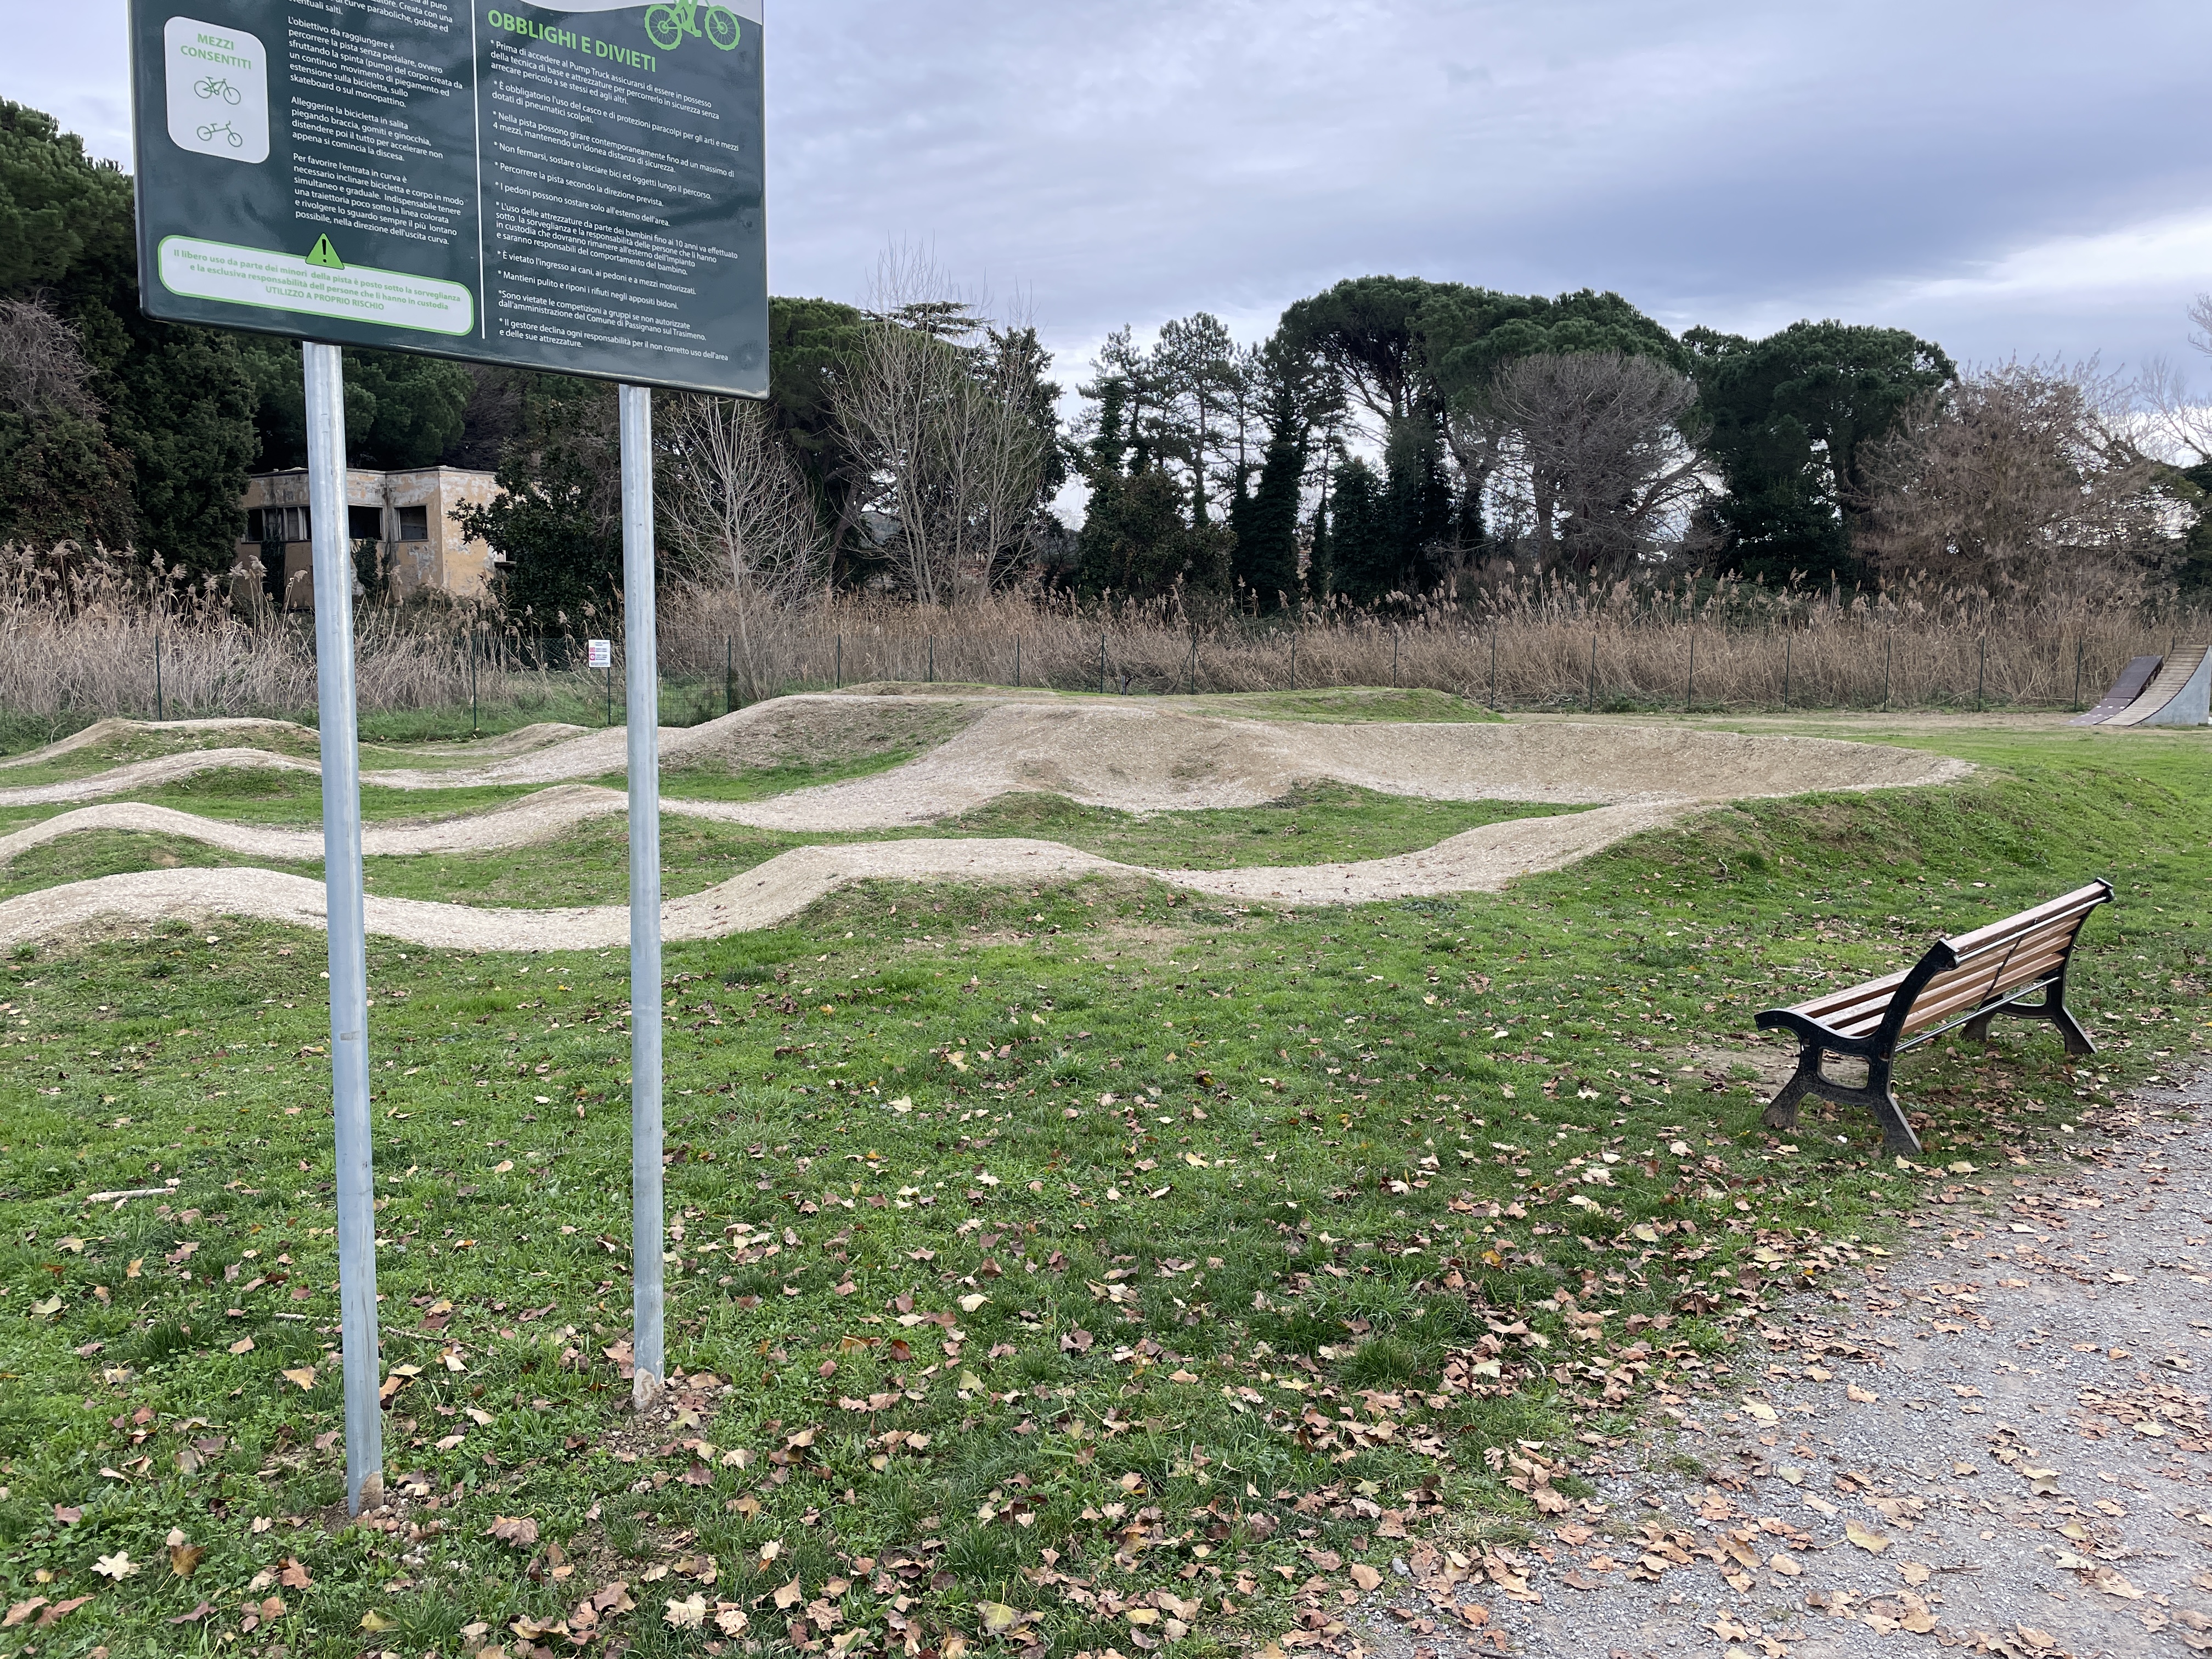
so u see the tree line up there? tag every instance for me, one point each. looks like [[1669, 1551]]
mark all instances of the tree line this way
[[1393, 437]]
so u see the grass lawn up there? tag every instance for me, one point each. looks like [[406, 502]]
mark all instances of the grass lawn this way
[[1068, 1269]]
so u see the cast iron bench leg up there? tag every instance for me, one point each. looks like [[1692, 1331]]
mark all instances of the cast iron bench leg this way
[[2051, 1008], [1881, 1099], [1877, 1097], [1782, 1111]]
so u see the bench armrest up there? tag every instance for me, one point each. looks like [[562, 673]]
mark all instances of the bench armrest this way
[[1812, 1033]]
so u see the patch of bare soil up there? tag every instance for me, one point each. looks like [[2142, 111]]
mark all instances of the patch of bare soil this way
[[1995, 1443]]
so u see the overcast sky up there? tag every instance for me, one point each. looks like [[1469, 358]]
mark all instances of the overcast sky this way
[[2026, 178]]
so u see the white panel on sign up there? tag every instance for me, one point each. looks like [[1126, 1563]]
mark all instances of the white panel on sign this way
[[218, 90], [598, 654]]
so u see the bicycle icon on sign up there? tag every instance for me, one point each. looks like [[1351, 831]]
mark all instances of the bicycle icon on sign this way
[[213, 130], [667, 26], [215, 87]]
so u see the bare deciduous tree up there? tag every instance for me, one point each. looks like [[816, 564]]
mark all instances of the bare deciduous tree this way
[[1586, 451], [2022, 478], [738, 512], [42, 366], [954, 453]]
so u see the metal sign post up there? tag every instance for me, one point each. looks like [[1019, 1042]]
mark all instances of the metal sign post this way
[[642, 673], [344, 900]]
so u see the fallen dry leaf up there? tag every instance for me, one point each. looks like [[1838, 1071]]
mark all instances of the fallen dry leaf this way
[[521, 1533], [788, 1596], [295, 1574], [303, 1375], [117, 1566], [689, 1614], [998, 1617], [1366, 1576], [1873, 1543]]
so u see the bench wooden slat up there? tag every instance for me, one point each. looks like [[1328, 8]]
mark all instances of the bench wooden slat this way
[[1970, 990], [2079, 902]]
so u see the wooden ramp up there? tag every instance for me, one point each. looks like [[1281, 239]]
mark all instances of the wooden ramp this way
[[2179, 694], [2125, 689]]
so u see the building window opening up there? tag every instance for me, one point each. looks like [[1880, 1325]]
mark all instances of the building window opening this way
[[276, 524], [365, 524], [414, 524]]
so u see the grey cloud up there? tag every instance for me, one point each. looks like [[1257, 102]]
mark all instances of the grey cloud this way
[[1734, 163]]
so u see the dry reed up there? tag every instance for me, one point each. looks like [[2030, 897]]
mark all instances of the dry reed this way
[[84, 636]]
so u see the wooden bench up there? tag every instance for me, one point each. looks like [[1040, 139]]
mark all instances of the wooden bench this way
[[1967, 980]]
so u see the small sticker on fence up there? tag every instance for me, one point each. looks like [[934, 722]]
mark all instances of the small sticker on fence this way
[[598, 654]]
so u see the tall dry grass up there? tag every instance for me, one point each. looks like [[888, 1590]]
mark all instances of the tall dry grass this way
[[85, 636]]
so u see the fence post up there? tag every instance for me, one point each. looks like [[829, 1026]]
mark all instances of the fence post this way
[[1690, 686], [1191, 682], [1589, 697], [841, 662], [1018, 662], [2077, 676], [1789, 642], [1982, 674], [160, 713], [1101, 663], [1294, 657], [932, 670], [1888, 639], [1394, 638], [1493, 668], [475, 702]]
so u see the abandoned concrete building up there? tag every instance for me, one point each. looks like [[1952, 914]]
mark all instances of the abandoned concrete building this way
[[400, 523]]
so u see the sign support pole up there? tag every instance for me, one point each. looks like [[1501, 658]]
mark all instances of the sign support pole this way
[[342, 877], [641, 674]]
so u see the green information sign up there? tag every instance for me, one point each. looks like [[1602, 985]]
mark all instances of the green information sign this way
[[576, 189]]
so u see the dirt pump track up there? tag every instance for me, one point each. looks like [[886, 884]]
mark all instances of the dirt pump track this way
[[1132, 758]]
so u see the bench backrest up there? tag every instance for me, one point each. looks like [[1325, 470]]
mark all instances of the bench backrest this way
[[1959, 975]]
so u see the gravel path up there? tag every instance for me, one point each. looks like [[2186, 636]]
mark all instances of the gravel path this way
[[1997, 1442]]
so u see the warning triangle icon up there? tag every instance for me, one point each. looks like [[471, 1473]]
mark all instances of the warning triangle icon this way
[[325, 255]]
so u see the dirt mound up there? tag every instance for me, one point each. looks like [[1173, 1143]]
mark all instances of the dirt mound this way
[[1148, 756], [542, 817], [1482, 859], [1141, 758], [122, 731], [150, 774], [521, 740], [815, 729]]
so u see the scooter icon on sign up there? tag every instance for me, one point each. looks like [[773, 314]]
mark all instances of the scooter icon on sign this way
[[209, 133], [667, 26]]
